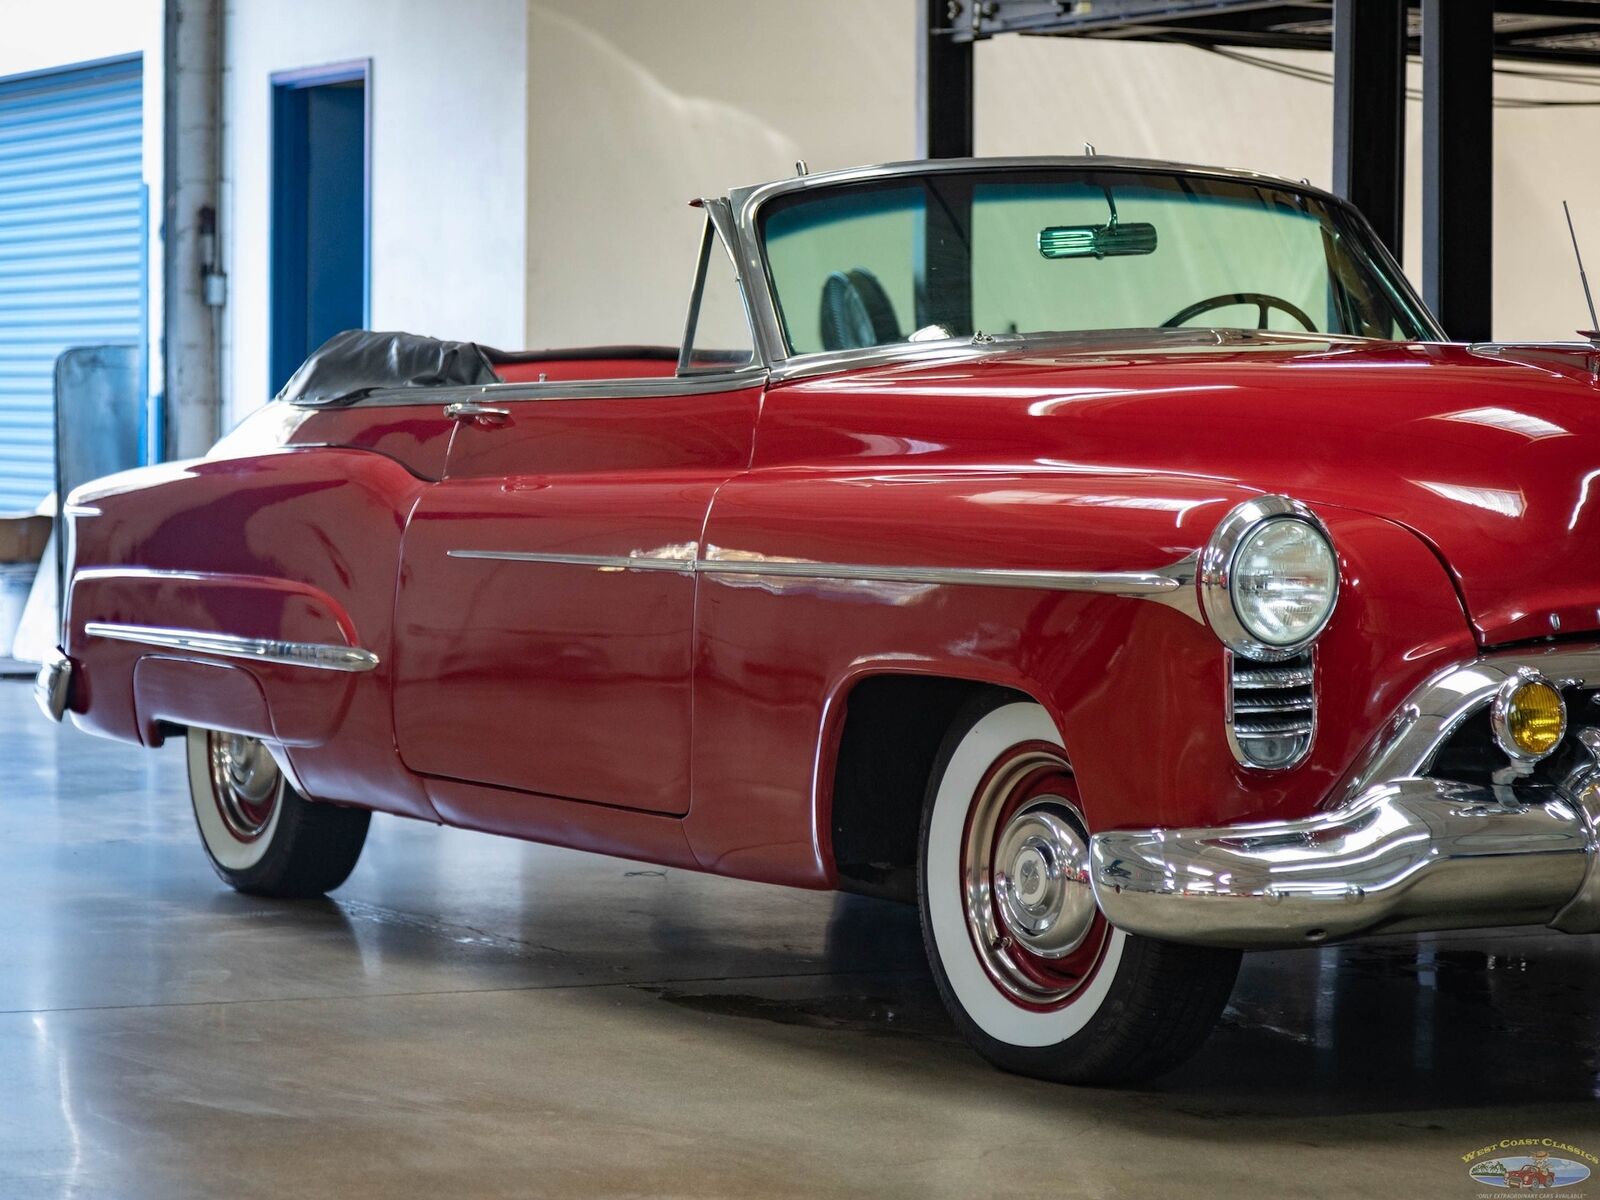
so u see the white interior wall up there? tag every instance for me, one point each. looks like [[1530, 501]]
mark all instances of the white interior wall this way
[[37, 36], [636, 107], [448, 92], [1177, 102]]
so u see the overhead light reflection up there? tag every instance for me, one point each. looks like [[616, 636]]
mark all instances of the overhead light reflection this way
[[1583, 498], [1531, 427], [1007, 497], [1495, 500]]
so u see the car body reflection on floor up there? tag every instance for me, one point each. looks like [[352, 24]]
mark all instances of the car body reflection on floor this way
[[474, 1016]]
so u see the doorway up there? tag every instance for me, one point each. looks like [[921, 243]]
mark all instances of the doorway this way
[[321, 204]]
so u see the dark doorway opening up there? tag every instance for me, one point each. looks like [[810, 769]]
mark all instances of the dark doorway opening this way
[[320, 251]]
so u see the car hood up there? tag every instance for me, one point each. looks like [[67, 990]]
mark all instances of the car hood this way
[[1491, 454]]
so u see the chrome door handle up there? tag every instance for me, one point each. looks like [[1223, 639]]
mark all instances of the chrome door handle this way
[[472, 410]]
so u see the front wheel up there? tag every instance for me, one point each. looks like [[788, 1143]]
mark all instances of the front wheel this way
[[1034, 975], [261, 835]]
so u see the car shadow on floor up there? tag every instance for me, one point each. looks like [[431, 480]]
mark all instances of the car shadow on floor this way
[[1449, 1022], [1490, 1019]]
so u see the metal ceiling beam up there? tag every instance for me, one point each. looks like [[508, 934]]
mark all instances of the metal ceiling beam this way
[[1369, 111], [984, 18], [1458, 165], [1459, 44], [1261, 24], [944, 83], [1567, 10]]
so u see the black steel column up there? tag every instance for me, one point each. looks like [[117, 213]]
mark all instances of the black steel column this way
[[1458, 165], [1369, 111], [944, 83]]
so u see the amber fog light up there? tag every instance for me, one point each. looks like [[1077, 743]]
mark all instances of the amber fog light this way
[[1529, 717]]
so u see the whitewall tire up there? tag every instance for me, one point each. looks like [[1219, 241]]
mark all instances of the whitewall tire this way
[[261, 835], [1033, 974]]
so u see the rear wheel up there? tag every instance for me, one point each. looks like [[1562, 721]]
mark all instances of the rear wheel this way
[[1033, 974], [261, 835]]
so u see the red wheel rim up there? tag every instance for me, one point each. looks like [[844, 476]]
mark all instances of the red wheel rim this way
[[1025, 839], [245, 784]]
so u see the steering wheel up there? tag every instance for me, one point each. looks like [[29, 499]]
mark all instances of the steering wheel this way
[[1262, 300]]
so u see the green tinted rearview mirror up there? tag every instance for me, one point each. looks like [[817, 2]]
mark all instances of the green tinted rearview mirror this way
[[1098, 241]]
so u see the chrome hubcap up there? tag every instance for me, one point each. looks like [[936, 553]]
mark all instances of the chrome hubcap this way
[[1025, 880], [1042, 880], [245, 782]]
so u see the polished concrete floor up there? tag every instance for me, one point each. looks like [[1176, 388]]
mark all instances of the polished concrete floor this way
[[474, 1017]]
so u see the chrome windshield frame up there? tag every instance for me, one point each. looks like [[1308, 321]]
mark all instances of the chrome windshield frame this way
[[746, 204]]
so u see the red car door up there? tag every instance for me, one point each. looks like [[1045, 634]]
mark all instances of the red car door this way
[[545, 612]]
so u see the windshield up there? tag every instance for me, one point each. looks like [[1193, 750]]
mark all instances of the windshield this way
[[950, 254]]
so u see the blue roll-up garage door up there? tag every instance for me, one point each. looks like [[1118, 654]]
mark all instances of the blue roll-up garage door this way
[[72, 246]]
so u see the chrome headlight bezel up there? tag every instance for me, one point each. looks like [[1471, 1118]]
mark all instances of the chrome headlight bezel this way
[[1217, 565]]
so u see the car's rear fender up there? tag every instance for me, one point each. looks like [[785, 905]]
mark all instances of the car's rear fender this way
[[199, 650], [253, 594]]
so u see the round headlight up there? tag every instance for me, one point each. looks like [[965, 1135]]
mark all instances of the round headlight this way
[[1283, 582], [1269, 578]]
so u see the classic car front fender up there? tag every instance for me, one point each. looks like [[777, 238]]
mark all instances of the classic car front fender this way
[[1136, 686]]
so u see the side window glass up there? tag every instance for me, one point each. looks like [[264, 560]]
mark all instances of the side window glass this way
[[864, 268], [717, 336]]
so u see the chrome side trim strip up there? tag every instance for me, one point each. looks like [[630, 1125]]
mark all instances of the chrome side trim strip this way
[[636, 388], [320, 656], [1115, 583], [601, 562], [1169, 585]]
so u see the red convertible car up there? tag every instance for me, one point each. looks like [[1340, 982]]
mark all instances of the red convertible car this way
[[1531, 1175], [1110, 556]]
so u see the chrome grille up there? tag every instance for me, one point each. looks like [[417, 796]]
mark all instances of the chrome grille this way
[[1271, 711]]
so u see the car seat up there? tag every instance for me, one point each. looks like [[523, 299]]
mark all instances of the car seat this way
[[857, 312]]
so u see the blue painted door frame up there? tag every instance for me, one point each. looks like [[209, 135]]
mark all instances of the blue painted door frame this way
[[321, 238]]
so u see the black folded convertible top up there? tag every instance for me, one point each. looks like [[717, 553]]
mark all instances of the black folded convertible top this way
[[358, 362]]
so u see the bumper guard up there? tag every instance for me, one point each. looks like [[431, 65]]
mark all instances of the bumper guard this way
[[1401, 852], [52, 688]]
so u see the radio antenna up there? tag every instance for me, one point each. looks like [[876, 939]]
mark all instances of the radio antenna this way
[[1593, 332]]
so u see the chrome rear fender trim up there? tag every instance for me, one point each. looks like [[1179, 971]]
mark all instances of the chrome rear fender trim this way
[[320, 656]]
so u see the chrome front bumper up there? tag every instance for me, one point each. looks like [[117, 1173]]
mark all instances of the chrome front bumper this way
[[1400, 852], [52, 687]]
